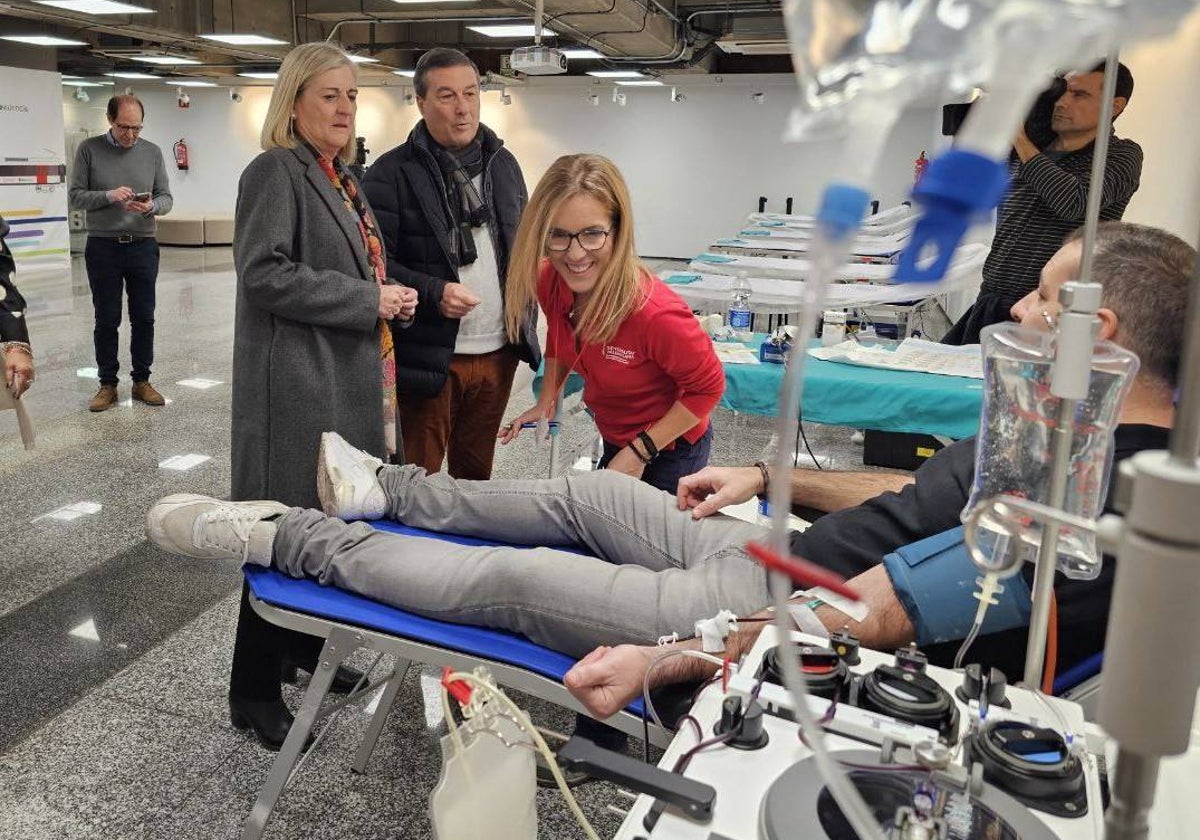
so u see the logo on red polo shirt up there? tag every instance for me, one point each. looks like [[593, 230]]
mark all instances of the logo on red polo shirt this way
[[612, 353]]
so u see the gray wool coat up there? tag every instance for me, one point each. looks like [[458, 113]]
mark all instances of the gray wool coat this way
[[306, 340]]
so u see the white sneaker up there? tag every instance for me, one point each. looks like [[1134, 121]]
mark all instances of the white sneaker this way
[[210, 529], [346, 481]]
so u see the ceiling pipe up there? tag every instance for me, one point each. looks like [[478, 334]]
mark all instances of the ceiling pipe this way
[[683, 46]]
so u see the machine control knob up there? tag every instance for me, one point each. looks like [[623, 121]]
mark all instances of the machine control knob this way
[[911, 659], [745, 720], [972, 687], [845, 645]]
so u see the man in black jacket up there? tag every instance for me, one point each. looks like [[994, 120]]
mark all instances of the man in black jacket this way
[[448, 201]]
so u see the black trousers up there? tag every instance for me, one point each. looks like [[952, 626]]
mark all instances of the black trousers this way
[[114, 269], [262, 649]]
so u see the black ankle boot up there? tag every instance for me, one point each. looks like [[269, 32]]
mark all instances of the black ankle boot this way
[[344, 681], [269, 720]]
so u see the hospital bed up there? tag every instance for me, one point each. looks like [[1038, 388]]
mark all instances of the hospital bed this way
[[349, 622]]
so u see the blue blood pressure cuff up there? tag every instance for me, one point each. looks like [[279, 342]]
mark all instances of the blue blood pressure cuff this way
[[935, 581]]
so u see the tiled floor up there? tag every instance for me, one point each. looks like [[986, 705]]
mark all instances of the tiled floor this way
[[113, 721]]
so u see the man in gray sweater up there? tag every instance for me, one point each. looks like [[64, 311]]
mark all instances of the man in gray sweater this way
[[121, 181]]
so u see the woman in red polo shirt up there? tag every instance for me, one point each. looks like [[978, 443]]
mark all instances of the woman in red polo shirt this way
[[651, 376]]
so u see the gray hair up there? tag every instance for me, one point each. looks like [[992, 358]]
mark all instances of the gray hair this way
[[436, 59], [1145, 273]]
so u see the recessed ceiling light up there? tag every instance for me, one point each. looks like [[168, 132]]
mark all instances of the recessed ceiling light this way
[[510, 30], [129, 74], [83, 83], [616, 74], [408, 74], [257, 75], [580, 52], [96, 7], [642, 83], [190, 83], [43, 40], [164, 59], [364, 59], [244, 40]]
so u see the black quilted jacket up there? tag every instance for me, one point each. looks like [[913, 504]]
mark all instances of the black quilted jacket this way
[[407, 193]]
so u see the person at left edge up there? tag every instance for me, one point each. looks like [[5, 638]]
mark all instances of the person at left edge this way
[[312, 347], [121, 181]]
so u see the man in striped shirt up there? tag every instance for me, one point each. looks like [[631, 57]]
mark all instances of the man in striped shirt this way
[[1048, 197]]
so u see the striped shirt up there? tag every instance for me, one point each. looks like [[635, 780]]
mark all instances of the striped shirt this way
[[1046, 202]]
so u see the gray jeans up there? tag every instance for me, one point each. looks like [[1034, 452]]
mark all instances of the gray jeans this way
[[655, 569]]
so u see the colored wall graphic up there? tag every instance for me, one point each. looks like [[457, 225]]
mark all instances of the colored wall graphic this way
[[33, 172]]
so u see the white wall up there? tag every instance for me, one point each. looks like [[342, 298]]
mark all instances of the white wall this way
[[695, 168], [1164, 119]]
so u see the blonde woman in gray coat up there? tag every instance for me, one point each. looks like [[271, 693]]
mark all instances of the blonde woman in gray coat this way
[[312, 348]]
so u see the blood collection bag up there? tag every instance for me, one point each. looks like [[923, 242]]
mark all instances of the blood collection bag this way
[[488, 788]]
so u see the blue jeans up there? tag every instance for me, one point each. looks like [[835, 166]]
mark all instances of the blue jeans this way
[[114, 269], [672, 464]]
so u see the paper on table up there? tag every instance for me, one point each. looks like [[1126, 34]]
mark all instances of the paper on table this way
[[732, 353], [913, 354]]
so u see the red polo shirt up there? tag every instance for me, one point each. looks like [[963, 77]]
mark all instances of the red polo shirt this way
[[659, 356]]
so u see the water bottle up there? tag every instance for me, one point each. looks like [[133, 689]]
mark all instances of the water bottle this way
[[741, 316]]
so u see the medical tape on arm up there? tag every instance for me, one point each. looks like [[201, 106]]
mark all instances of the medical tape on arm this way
[[712, 632]]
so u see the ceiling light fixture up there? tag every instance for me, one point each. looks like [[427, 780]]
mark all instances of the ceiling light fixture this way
[[617, 74], [510, 30], [164, 58], [255, 74], [77, 82], [43, 41], [639, 83], [580, 52], [363, 59], [408, 74], [190, 83], [96, 7], [130, 74], [236, 40]]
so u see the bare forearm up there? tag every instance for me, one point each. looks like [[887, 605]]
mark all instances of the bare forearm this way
[[886, 625], [553, 377], [829, 491]]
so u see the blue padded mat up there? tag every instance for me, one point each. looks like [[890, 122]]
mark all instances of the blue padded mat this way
[[309, 597]]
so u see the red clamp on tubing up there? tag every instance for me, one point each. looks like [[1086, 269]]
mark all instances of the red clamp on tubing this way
[[458, 689], [801, 570]]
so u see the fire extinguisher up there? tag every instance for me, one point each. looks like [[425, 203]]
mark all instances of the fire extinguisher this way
[[919, 167], [181, 154]]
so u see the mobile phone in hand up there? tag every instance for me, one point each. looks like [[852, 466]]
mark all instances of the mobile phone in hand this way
[[142, 197]]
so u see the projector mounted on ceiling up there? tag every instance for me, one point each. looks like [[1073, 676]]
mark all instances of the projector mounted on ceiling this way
[[538, 61]]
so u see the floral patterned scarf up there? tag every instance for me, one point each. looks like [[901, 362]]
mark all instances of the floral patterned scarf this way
[[346, 186]]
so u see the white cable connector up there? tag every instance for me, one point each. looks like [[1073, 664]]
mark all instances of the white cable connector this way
[[668, 640], [712, 632]]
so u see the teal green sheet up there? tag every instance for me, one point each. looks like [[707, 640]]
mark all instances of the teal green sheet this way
[[849, 395]]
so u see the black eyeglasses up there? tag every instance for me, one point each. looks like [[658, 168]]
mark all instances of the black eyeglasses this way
[[591, 239], [132, 129]]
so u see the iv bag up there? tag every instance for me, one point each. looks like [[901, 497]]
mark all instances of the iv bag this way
[[1013, 451], [894, 50]]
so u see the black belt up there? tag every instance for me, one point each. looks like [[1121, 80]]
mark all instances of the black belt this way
[[122, 239]]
